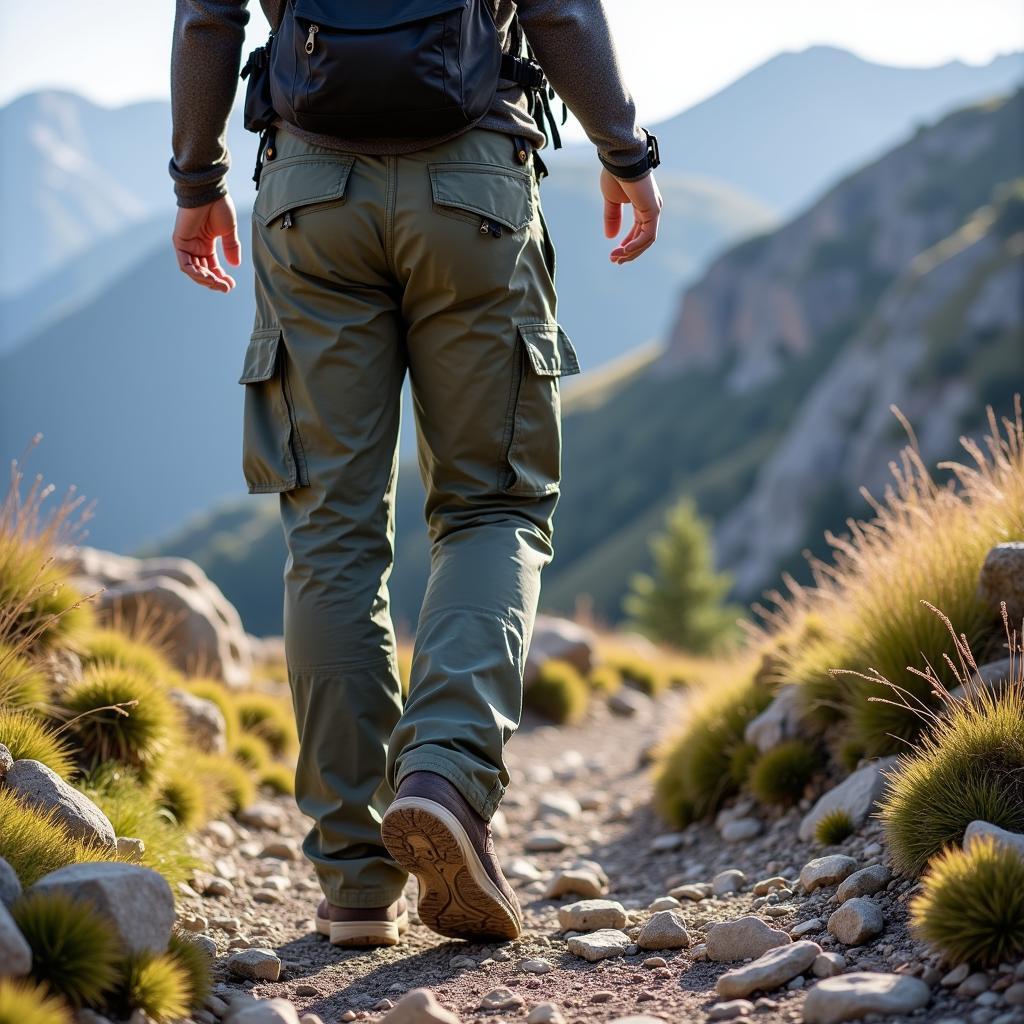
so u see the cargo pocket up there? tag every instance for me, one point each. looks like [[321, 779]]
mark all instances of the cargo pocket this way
[[296, 185], [533, 445], [272, 457], [492, 197]]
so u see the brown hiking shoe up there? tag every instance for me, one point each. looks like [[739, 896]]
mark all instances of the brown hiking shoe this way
[[363, 926], [434, 834]]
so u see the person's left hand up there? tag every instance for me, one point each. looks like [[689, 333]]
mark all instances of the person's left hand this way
[[196, 231]]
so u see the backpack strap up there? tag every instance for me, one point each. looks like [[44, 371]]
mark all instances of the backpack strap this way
[[527, 73]]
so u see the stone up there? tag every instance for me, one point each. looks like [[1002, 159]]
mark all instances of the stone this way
[[502, 999], [830, 870], [853, 996], [263, 1011], [828, 965], [1002, 579], [808, 927], [779, 721], [956, 976], [696, 893], [857, 921], [973, 985], [667, 842], [203, 721], [665, 903], [590, 915], [857, 795], [256, 964], [767, 885], [136, 902], [654, 961], [206, 944], [262, 815], [575, 882], [865, 882], [545, 1013], [558, 805], [546, 842], [6, 762], [222, 834], [10, 885], [665, 930], [1014, 994], [536, 965], [561, 639], [599, 945], [15, 952], [638, 1018], [740, 830], [522, 870], [769, 971], [743, 938], [731, 1009], [130, 849], [1011, 840], [628, 702], [35, 784], [730, 880]]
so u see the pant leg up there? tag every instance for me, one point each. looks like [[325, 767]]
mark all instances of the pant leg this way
[[485, 357], [324, 285]]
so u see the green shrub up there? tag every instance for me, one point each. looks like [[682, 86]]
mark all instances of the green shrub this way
[[270, 719], [606, 679], [159, 984], [645, 676], [834, 828], [558, 692], [116, 714], [25, 735], [24, 1002], [971, 904], [850, 753], [184, 797], [22, 683], [194, 963], [114, 647], [741, 760], [693, 777], [780, 775], [74, 951], [251, 752], [279, 778], [969, 766], [232, 779]]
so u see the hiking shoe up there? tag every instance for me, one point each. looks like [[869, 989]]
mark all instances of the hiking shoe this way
[[433, 833], [363, 926]]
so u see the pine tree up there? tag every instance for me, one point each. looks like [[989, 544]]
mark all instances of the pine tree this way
[[682, 601]]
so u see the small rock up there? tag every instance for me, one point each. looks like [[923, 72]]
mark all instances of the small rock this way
[[599, 945], [769, 971], [779, 721], [257, 964], [665, 903], [665, 930], [857, 795], [808, 927], [731, 880], [546, 842], [853, 996], [729, 1010], [521, 870], [857, 921], [383, 1004], [262, 815], [282, 849], [222, 833], [694, 892], [1014, 995], [203, 720], [1011, 840], [558, 805], [193, 922], [1002, 579], [667, 842], [536, 965], [575, 882], [130, 849], [590, 915], [956, 976], [628, 702], [830, 870], [828, 965], [654, 961], [15, 952], [865, 882], [264, 1011], [6, 762], [206, 944], [501, 999], [741, 830], [742, 939], [973, 985], [767, 885], [545, 1013], [602, 995], [10, 886]]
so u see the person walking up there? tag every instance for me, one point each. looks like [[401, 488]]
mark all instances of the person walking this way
[[397, 229]]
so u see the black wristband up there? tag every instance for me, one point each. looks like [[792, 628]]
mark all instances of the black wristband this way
[[650, 160]]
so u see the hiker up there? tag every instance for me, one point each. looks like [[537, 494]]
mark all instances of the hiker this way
[[397, 228]]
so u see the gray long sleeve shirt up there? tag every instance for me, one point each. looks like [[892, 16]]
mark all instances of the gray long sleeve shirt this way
[[571, 39]]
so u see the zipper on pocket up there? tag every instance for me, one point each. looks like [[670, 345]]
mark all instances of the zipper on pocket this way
[[286, 220], [311, 38], [488, 227]]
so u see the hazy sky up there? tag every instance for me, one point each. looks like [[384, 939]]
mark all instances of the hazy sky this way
[[674, 53]]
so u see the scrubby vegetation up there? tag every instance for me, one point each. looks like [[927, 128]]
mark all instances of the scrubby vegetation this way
[[834, 828], [780, 775], [559, 692], [24, 1002]]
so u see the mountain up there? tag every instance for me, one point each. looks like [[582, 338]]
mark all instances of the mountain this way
[[769, 403]]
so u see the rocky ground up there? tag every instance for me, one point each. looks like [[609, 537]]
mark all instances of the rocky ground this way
[[581, 794]]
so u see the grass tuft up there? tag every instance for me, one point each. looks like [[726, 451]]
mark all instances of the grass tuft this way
[[558, 692], [22, 683], [74, 951], [25, 735], [780, 775], [229, 777], [834, 828], [183, 796], [24, 1002], [971, 904], [195, 964], [110, 646], [269, 718], [158, 984], [251, 752], [605, 679], [741, 760], [278, 778]]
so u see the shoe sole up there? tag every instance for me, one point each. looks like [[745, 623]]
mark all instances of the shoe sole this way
[[457, 898], [363, 933]]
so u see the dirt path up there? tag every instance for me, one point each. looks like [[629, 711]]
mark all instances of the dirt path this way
[[601, 763]]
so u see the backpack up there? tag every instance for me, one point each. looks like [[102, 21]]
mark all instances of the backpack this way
[[386, 69]]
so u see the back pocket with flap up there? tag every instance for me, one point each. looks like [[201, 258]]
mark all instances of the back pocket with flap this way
[[301, 183], [471, 191]]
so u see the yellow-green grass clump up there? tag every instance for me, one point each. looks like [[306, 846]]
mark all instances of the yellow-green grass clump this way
[[605, 678], [968, 766], [559, 692], [194, 961], [185, 798], [269, 718], [35, 843], [741, 760], [780, 775], [26, 1002], [834, 828], [74, 951], [117, 714], [695, 773], [110, 646], [278, 778], [251, 752], [22, 683], [27, 737], [971, 904], [230, 777], [646, 676], [159, 984], [216, 692]]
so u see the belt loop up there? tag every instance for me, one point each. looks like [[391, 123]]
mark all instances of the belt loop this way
[[522, 148]]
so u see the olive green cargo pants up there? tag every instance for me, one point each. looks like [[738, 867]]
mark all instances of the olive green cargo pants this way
[[437, 263]]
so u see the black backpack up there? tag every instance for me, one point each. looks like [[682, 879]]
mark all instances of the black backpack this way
[[387, 69]]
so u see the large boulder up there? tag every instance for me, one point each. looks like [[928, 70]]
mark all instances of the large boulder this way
[[136, 902], [562, 639], [43, 788], [857, 795], [201, 628], [10, 884], [1002, 579], [15, 953]]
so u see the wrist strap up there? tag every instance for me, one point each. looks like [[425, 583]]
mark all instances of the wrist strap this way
[[650, 160]]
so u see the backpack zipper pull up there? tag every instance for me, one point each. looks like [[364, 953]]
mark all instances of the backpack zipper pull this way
[[313, 29], [286, 220]]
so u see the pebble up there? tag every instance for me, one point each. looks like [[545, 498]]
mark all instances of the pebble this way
[[814, 924], [590, 915], [545, 1013], [668, 842], [536, 965], [627, 702], [262, 815], [654, 961], [973, 985], [1014, 995], [599, 945], [853, 996], [420, 1006], [521, 870], [283, 849], [857, 921], [502, 999], [865, 882], [256, 964], [262, 1011], [665, 930], [206, 944], [955, 976], [665, 903], [741, 830], [575, 882], [558, 805], [731, 880], [770, 971], [767, 885], [828, 965], [546, 842], [602, 995], [743, 938], [830, 870], [696, 892], [729, 1010], [130, 849]]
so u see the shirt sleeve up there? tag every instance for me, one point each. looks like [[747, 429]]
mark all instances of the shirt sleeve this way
[[573, 42], [206, 56]]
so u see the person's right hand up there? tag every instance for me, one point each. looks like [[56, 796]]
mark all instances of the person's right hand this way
[[196, 231], [644, 197]]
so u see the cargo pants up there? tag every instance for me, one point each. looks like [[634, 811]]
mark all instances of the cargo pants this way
[[437, 264]]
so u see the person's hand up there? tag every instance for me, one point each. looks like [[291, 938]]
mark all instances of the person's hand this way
[[196, 231], [644, 197]]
